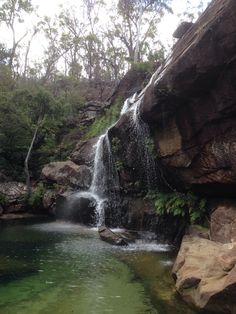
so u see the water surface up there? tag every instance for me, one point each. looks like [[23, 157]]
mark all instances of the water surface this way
[[64, 268]]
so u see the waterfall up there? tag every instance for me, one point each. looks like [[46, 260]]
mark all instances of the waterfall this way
[[105, 180], [127, 104], [141, 135]]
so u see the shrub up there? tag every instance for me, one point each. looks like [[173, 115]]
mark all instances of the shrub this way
[[179, 204], [36, 198]]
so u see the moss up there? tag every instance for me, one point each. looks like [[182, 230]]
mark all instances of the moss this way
[[102, 122]]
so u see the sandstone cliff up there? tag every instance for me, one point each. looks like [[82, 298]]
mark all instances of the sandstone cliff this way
[[190, 107]]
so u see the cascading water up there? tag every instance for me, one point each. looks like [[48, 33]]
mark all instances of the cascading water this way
[[127, 104], [141, 135], [105, 181]]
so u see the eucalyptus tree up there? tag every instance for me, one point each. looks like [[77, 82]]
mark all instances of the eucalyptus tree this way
[[73, 31], [12, 12], [137, 25], [57, 47]]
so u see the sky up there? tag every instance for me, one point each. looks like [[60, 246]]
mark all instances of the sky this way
[[51, 7], [168, 24]]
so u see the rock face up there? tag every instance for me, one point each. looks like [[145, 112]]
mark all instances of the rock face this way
[[190, 107], [132, 82], [223, 222], [205, 274], [90, 111], [83, 154], [182, 29], [67, 173]]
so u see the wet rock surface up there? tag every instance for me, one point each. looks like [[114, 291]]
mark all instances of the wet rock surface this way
[[113, 238], [81, 209]]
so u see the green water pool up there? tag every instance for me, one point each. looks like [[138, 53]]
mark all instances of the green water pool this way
[[58, 267]]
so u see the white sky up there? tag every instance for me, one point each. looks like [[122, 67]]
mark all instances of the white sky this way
[[51, 7]]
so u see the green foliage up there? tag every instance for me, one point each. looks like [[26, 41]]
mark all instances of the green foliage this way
[[179, 204], [3, 200], [64, 150], [146, 66], [104, 121], [116, 145], [21, 111], [119, 165], [36, 197]]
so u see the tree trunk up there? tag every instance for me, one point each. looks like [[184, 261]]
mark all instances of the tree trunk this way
[[26, 169], [27, 52], [137, 46]]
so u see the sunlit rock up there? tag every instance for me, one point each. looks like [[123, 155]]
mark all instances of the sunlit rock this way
[[205, 274]]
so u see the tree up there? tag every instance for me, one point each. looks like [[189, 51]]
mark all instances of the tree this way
[[11, 13], [136, 14], [73, 31]]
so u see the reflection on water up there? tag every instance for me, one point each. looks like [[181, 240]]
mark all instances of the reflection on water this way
[[65, 268]]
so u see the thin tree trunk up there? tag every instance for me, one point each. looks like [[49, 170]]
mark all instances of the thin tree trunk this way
[[137, 46], [27, 52], [28, 186]]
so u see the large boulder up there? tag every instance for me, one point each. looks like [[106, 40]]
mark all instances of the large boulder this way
[[77, 207], [205, 274], [67, 173]]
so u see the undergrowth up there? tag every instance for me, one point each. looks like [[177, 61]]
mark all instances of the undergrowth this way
[[36, 197], [179, 204]]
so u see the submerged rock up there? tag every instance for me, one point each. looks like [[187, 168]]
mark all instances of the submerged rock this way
[[205, 274], [109, 236]]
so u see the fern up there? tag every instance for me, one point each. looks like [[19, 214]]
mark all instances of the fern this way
[[179, 205]]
